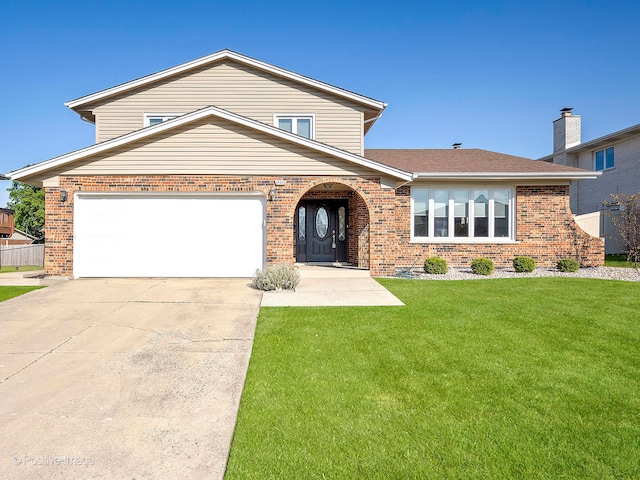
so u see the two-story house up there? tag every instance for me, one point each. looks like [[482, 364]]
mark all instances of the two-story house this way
[[615, 156], [268, 166]]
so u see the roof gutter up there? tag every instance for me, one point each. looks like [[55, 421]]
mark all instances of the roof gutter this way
[[596, 142], [507, 175]]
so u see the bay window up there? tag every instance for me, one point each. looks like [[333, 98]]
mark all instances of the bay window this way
[[462, 215]]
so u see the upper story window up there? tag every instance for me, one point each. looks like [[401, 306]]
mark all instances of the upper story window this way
[[462, 215], [151, 119], [303, 125], [604, 159]]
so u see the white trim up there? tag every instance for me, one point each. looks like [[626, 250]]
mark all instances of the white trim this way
[[464, 241], [451, 238], [165, 117], [579, 174], [83, 193], [225, 55], [197, 115], [604, 159], [292, 116], [81, 232]]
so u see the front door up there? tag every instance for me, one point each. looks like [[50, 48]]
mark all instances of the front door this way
[[321, 231]]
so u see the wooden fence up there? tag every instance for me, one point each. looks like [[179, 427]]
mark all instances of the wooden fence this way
[[18, 255]]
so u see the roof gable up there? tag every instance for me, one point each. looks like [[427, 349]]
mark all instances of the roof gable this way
[[129, 140], [78, 103]]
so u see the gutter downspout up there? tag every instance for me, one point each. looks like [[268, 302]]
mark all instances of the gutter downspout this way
[[372, 119], [413, 177]]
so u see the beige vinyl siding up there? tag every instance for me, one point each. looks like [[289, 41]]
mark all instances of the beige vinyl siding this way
[[215, 147], [240, 89]]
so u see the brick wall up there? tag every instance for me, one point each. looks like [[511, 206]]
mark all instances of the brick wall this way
[[545, 230], [280, 211], [379, 220]]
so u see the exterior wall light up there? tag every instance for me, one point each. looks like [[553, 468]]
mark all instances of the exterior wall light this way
[[63, 195], [272, 193]]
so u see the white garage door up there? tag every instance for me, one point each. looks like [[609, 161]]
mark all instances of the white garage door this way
[[147, 235]]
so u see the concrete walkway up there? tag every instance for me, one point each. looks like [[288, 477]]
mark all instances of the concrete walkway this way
[[329, 286], [31, 278], [123, 378]]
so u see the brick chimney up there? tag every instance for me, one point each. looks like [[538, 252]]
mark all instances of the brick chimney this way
[[566, 130]]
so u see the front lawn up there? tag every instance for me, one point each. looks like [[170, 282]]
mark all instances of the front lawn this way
[[27, 268], [618, 260], [512, 378], [9, 292]]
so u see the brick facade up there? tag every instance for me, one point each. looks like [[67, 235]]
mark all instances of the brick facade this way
[[545, 230], [379, 220]]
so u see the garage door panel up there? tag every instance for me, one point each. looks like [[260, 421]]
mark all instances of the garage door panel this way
[[168, 236]]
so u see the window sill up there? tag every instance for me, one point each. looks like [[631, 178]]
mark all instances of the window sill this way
[[465, 241]]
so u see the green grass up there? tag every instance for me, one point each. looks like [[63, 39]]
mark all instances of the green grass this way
[[619, 260], [9, 292], [515, 378], [5, 269]]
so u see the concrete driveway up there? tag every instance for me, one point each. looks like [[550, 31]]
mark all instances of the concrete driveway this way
[[123, 378]]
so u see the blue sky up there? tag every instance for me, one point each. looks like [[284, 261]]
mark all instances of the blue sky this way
[[491, 75]]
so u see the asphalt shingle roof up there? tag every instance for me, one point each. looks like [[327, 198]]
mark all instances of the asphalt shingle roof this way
[[460, 160]]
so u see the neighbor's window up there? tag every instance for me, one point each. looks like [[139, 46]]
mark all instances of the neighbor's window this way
[[604, 159], [151, 119], [461, 214], [302, 125]]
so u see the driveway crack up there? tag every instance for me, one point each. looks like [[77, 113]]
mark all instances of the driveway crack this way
[[154, 331], [45, 354]]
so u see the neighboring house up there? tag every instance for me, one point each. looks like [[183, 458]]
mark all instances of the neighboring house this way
[[6, 223], [18, 238], [616, 156], [267, 166]]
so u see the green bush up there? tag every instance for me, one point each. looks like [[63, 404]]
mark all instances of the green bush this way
[[524, 264], [435, 266], [482, 266], [276, 277], [568, 265]]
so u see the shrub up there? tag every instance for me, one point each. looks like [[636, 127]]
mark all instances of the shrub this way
[[435, 266], [524, 264], [482, 266], [568, 265], [276, 277]]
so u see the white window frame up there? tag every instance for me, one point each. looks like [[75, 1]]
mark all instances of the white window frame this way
[[604, 153], [511, 238], [296, 116], [164, 116]]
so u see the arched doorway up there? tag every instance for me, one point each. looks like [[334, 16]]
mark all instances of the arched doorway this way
[[332, 226]]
